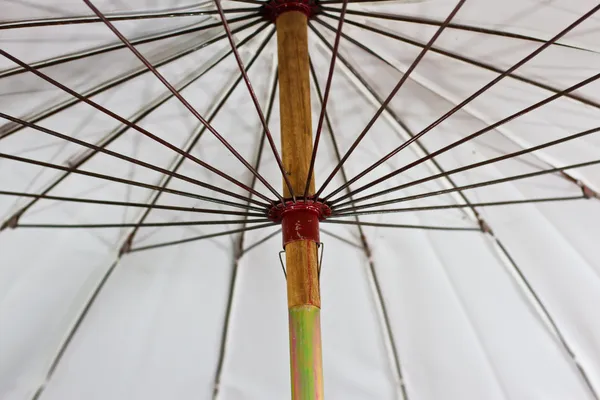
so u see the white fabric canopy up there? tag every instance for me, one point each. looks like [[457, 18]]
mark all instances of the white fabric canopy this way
[[410, 312]]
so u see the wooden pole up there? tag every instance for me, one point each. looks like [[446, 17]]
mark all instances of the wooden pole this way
[[304, 300]]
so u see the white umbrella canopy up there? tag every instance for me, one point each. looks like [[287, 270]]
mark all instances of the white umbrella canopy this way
[[453, 297]]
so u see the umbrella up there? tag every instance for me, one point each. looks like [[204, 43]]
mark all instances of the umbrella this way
[[172, 171]]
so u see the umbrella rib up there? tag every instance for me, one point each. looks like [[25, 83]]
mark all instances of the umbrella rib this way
[[144, 225], [422, 147], [545, 313], [466, 60], [340, 238], [201, 237], [484, 226], [6, 131], [187, 105], [365, 247], [452, 25], [388, 110], [240, 251], [261, 116], [86, 19], [261, 241], [405, 226], [79, 55], [118, 180], [140, 163], [131, 125], [351, 213], [152, 106], [471, 98], [470, 186], [10, 223], [387, 100], [334, 53], [474, 135], [197, 137]]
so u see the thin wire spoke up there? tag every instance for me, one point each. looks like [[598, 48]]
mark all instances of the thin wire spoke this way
[[197, 138], [459, 206], [464, 59], [86, 19], [388, 110], [10, 129], [422, 147], [472, 166], [115, 179], [472, 97], [387, 100], [452, 25], [141, 164], [340, 238], [144, 225], [138, 116], [403, 226], [131, 125], [472, 136], [79, 55], [255, 101], [387, 327], [187, 105], [334, 52], [261, 241], [240, 251], [196, 238], [471, 186], [545, 314], [13, 222]]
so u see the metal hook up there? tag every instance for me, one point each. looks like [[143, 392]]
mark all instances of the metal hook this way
[[319, 262], [282, 266]]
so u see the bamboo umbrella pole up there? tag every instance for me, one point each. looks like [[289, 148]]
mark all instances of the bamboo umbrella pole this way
[[303, 295]]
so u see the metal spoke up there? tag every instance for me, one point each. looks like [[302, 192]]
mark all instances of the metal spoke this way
[[79, 55], [471, 166], [197, 138], [473, 135], [131, 125], [261, 241], [10, 129], [86, 19], [386, 102], [141, 164], [239, 250], [144, 225], [256, 102], [471, 186], [352, 213], [452, 25], [187, 105], [340, 238], [464, 59], [138, 116], [13, 222], [406, 226], [118, 180], [196, 238], [474, 96], [334, 52], [387, 327]]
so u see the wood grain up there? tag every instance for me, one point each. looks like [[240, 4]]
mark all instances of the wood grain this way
[[296, 143]]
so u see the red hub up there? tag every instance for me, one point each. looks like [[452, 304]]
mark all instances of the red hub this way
[[300, 220], [274, 8]]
